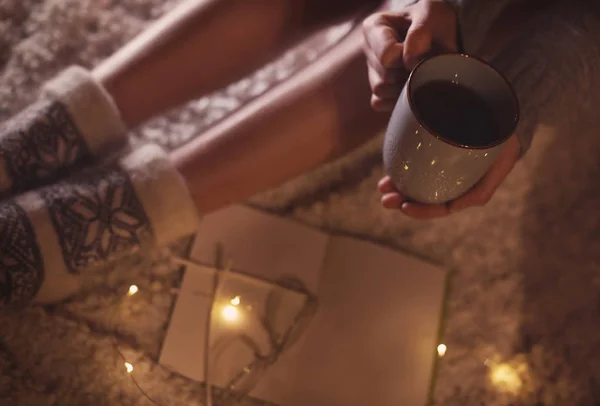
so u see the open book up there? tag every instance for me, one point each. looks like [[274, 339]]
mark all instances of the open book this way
[[372, 340]]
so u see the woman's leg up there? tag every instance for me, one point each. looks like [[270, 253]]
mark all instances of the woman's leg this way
[[198, 47], [318, 115], [204, 45]]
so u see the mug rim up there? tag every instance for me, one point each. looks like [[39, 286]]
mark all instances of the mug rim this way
[[439, 136]]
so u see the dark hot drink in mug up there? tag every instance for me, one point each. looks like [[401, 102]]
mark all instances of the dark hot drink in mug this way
[[456, 113]]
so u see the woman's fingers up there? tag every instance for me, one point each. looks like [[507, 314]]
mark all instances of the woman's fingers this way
[[385, 185], [484, 190], [381, 32], [383, 89], [384, 52], [392, 200]]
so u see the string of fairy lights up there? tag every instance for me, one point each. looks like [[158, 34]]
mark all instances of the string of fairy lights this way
[[229, 312], [133, 289], [503, 375]]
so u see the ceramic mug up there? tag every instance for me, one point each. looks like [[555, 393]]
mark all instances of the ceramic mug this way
[[428, 168]]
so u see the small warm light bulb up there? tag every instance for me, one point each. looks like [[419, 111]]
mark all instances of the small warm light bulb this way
[[129, 367], [505, 378], [132, 290], [441, 349], [236, 301], [433, 162], [230, 313]]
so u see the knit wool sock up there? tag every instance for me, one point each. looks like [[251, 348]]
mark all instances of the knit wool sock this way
[[50, 238], [74, 121]]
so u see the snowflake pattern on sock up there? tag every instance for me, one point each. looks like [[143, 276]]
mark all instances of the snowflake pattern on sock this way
[[21, 263], [96, 217], [41, 144]]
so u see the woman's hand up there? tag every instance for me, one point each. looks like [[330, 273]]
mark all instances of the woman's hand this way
[[395, 41], [479, 195]]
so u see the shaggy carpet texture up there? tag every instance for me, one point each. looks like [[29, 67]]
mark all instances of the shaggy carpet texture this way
[[525, 291]]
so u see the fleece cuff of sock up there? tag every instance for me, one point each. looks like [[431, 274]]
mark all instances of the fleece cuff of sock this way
[[71, 125], [91, 108], [58, 234]]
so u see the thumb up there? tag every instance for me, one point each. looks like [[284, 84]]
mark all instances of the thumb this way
[[416, 45]]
